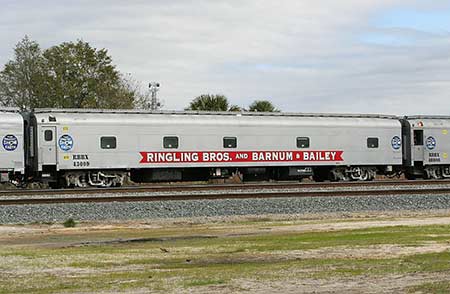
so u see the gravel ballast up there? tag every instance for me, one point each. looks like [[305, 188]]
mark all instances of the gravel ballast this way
[[106, 193], [210, 208]]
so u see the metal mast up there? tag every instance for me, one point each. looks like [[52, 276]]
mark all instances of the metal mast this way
[[154, 88]]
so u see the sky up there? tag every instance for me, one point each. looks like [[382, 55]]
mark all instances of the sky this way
[[346, 56]]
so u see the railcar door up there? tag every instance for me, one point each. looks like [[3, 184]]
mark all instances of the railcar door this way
[[418, 145], [48, 145]]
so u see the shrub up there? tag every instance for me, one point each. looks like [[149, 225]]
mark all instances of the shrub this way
[[70, 223]]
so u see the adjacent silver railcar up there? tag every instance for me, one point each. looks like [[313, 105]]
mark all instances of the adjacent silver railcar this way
[[12, 165], [99, 148], [428, 139]]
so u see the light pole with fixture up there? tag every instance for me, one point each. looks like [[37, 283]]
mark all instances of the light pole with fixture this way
[[154, 88]]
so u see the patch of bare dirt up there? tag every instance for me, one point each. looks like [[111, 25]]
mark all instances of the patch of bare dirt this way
[[354, 225], [221, 227], [231, 229], [17, 230], [373, 251], [357, 285]]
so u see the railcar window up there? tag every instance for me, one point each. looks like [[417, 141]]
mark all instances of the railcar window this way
[[229, 142], [302, 142], [372, 142], [48, 135], [418, 137], [170, 142], [108, 142]]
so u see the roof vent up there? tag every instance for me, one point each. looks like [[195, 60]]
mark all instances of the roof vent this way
[[51, 118]]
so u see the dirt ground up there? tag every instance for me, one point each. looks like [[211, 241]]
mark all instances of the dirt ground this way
[[287, 280]]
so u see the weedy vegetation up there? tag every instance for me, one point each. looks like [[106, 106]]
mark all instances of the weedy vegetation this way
[[69, 223], [215, 257]]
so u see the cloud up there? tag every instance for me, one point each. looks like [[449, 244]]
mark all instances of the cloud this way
[[312, 56]]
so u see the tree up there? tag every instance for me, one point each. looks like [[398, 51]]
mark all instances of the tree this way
[[262, 106], [209, 102], [235, 108], [81, 76], [69, 75], [23, 80]]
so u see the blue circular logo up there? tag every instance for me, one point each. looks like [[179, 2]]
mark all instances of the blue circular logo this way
[[396, 142], [65, 142], [431, 143], [10, 142]]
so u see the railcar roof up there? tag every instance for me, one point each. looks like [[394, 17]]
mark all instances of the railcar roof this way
[[9, 109], [10, 116], [427, 117], [206, 113]]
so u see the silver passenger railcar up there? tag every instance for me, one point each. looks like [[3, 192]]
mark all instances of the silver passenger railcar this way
[[100, 147], [12, 166], [428, 142]]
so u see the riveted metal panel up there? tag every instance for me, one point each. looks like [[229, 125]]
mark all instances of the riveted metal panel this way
[[436, 139], [138, 132], [11, 141]]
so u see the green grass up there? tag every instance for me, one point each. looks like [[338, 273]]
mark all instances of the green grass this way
[[430, 263], [431, 288], [202, 262]]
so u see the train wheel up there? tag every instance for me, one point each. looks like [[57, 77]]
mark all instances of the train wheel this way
[[365, 175]]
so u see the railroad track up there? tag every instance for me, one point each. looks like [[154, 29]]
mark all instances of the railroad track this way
[[230, 192], [209, 187]]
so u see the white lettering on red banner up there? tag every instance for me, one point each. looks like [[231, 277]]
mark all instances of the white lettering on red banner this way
[[240, 156]]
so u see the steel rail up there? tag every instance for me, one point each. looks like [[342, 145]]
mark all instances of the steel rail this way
[[215, 187], [217, 196]]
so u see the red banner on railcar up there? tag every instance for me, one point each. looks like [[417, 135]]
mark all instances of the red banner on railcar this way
[[241, 156]]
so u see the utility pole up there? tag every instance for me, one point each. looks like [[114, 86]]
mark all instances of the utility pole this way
[[154, 88]]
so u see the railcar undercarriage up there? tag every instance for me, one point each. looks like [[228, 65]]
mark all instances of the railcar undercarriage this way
[[10, 178], [102, 179], [437, 172], [116, 178], [319, 174], [352, 173], [434, 172]]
